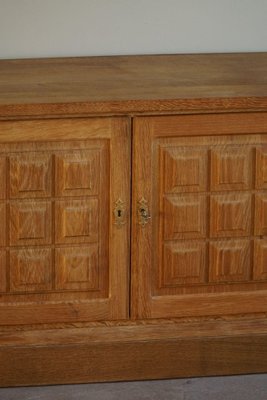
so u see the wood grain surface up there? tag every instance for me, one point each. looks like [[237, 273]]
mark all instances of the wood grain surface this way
[[62, 256], [183, 135], [203, 252], [133, 352], [133, 84]]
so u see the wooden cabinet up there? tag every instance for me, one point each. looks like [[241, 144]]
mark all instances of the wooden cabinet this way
[[133, 218]]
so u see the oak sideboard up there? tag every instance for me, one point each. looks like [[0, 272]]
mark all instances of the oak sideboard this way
[[133, 217]]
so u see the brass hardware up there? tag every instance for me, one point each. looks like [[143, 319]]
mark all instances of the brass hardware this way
[[143, 212], [119, 213]]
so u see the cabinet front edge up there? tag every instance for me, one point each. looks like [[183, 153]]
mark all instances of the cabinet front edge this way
[[133, 107]]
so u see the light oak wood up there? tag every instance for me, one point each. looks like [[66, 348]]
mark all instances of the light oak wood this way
[[206, 238], [132, 217], [160, 350], [133, 84], [62, 256]]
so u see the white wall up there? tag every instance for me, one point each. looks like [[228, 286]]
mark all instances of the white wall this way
[[42, 28]]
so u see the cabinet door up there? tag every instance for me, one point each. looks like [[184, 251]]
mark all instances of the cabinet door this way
[[199, 215], [64, 232]]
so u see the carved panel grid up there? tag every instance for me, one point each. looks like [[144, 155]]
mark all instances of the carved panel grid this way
[[212, 211], [50, 204]]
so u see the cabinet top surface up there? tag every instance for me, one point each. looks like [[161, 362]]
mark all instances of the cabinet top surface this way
[[133, 84]]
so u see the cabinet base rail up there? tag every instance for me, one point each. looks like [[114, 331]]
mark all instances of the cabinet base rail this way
[[133, 352]]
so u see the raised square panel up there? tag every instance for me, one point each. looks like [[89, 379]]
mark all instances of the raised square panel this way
[[184, 217], [231, 168], [260, 259], [229, 261], [2, 224], [77, 268], [30, 270], [2, 271], [30, 223], [261, 214], [261, 167], [78, 173], [30, 175], [184, 169], [230, 215], [184, 263], [77, 221], [2, 178]]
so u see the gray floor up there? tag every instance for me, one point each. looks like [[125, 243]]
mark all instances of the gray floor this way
[[245, 387]]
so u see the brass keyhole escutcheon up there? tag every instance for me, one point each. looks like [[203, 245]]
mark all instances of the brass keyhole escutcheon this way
[[119, 213], [143, 212]]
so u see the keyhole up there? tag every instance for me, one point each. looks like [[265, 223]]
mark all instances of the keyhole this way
[[119, 213], [143, 212]]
